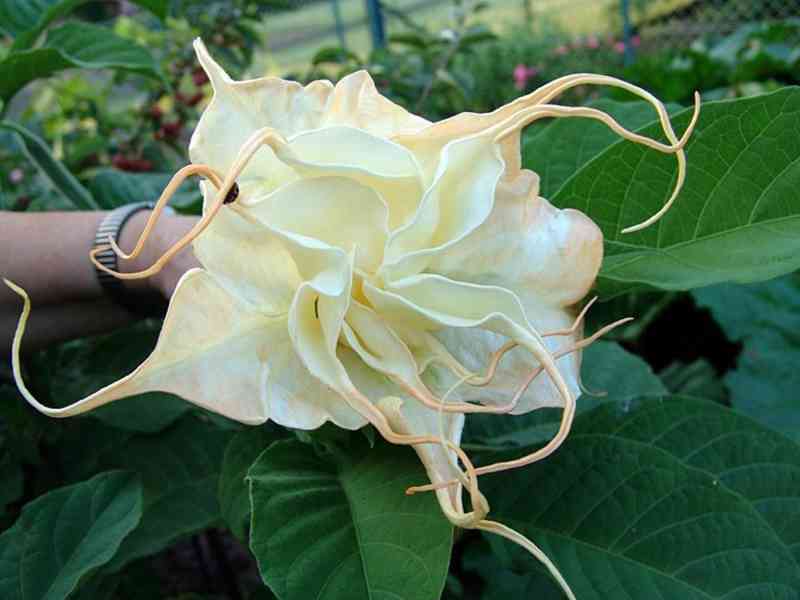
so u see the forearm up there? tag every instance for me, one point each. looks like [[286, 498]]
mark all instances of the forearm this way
[[47, 255], [56, 323]]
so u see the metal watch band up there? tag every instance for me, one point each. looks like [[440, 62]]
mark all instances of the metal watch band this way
[[143, 305]]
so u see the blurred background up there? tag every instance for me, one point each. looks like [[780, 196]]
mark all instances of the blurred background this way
[[436, 57]]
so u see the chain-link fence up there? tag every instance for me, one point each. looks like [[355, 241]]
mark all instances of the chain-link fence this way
[[670, 23], [294, 36]]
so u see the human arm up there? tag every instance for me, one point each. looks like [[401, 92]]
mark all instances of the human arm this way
[[47, 255]]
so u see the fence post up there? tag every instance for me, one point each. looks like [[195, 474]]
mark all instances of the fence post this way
[[376, 23], [627, 30], [527, 9], [337, 19]]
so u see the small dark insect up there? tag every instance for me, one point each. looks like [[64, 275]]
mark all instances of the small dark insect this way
[[233, 194], [316, 307]]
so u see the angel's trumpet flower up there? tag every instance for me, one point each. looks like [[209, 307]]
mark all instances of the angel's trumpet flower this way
[[363, 265]]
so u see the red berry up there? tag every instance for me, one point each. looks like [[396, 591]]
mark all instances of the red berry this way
[[140, 165], [22, 203], [193, 100], [171, 130], [199, 77], [155, 112]]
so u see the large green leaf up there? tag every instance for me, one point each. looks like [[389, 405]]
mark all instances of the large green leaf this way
[[765, 318], [10, 477], [74, 46], [55, 172], [180, 474], [608, 372], [234, 493], [662, 498], [565, 145], [339, 526], [25, 20], [737, 218], [67, 533]]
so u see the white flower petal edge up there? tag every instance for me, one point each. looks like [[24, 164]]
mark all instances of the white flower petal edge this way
[[362, 265], [218, 352]]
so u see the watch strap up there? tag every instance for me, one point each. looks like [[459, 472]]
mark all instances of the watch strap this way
[[143, 305]]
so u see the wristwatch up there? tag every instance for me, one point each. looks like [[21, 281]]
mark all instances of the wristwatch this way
[[139, 304]]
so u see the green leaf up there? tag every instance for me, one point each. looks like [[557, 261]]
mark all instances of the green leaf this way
[[609, 373], [114, 188], [11, 482], [25, 20], [662, 498], [241, 453], [334, 54], [28, 18], [698, 378], [74, 46], [340, 525], [560, 148], [159, 8], [742, 455], [765, 318], [737, 218], [180, 474], [67, 533], [55, 172]]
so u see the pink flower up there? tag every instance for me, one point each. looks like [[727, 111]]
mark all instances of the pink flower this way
[[521, 75], [16, 176], [561, 50], [636, 41], [592, 42], [619, 47]]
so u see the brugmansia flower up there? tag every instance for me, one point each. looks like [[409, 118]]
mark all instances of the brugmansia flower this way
[[363, 265]]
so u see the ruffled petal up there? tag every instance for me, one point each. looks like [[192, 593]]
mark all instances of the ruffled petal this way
[[438, 305], [459, 199], [375, 162], [338, 211], [544, 255], [219, 352], [472, 348], [356, 102], [411, 418], [240, 108], [248, 259]]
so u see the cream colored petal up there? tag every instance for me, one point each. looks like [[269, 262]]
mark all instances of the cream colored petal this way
[[356, 102], [375, 162], [430, 302], [460, 198], [338, 211], [378, 346], [248, 259], [427, 143], [433, 303], [348, 147], [472, 348], [412, 418], [240, 108], [544, 255], [220, 353]]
